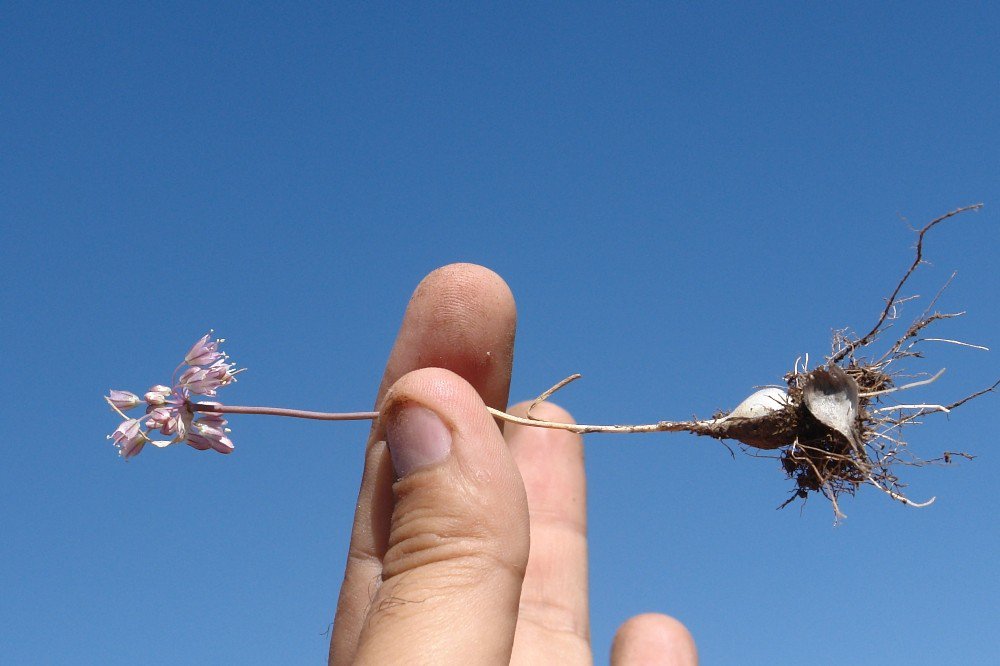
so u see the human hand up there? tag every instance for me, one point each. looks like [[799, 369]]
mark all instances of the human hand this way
[[439, 569]]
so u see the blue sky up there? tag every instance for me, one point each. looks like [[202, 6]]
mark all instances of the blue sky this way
[[683, 198]]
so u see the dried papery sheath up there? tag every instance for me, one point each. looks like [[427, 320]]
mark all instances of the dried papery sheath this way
[[761, 403]]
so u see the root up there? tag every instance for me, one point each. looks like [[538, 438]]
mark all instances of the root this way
[[831, 430], [869, 337], [924, 382], [833, 463]]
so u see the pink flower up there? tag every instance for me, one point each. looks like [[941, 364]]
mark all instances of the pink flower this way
[[204, 352], [194, 379], [169, 409], [206, 381], [169, 412], [204, 436], [129, 438], [162, 419], [123, 400]]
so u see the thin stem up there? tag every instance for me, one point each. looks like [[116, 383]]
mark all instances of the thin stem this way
[[661, 426], [548, 394], [579, 428], [281, 411], [582, 429]]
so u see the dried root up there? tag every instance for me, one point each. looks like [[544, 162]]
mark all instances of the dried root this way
[[833, 428], [837, 430]]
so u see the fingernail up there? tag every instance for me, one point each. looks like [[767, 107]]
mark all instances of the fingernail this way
[[416, 438]]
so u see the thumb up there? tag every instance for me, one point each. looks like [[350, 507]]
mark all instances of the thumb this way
[[458, 539]]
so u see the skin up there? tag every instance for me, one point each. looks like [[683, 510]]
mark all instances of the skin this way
[[480, 557]]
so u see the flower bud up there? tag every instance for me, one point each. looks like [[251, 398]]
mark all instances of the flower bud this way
[[123, 400], [157, 395]]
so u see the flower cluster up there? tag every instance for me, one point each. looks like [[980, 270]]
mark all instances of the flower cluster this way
[[169, 409]]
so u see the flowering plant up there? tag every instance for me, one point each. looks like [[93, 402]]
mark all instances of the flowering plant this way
[[169, 410], [828, 426]]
